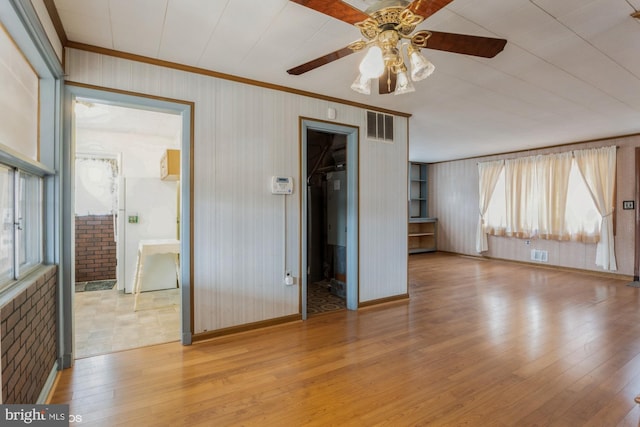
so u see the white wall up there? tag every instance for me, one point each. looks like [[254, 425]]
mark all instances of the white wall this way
[[243, 135], [453, 199], [139, 153]]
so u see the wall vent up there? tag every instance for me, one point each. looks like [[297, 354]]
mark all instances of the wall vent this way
[[379, 126], [539, 255]]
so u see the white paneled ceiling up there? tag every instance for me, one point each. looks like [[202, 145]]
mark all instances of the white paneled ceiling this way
[[570, 71]]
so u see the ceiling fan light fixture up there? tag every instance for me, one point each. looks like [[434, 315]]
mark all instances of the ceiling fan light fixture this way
[[372, 64], [421, 67], [387, 28], [403, 83], [362, 85]]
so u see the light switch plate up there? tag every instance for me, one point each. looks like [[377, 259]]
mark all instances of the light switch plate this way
[[628, 205]]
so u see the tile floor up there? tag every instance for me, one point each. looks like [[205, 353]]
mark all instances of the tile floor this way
[[105, 321]]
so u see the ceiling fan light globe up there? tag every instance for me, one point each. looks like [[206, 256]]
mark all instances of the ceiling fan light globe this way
[[421, 67], [362, 85], [403, 84], [372, 64]]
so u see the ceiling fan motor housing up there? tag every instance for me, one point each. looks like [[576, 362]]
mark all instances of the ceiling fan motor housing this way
[[396, 18]]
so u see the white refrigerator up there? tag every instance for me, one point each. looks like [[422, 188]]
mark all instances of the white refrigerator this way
[[147, 210]]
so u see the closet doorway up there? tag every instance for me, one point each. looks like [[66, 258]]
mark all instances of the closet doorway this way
[[330, 247]]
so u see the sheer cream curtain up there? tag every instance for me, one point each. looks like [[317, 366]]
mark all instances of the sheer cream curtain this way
[[520, 184], [553, 173], [488, 176], [598, 168]]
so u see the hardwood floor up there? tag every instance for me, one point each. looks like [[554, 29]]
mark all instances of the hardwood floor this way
[[480, 343]]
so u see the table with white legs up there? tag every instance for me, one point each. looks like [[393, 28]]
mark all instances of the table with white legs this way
[[154, 247]]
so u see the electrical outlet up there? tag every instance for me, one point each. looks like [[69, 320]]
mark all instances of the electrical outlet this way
[[288, 279], [628, 204], [527, 242]]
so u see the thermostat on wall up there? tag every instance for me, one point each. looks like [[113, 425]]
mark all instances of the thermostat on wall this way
[[281, 185]]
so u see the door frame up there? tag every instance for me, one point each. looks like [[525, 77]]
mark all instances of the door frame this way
[[636, 256], [352, 135], [67, 173]]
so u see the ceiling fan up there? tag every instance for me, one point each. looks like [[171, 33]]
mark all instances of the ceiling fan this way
[[387, 28]]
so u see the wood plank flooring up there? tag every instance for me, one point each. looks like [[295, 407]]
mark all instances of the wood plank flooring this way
[[480, 343]]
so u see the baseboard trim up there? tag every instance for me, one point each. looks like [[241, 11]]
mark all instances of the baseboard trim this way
[[608, 275], [49, 386], [203, 336], [376, 302]]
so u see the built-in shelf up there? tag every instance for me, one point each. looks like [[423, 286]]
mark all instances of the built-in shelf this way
[[417, 190], [423, 235]]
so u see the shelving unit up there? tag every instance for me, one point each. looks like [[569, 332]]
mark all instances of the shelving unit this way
[[423, 235], [422, 229], [417, 190]]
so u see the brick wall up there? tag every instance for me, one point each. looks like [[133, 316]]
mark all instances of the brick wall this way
[[28, 328], [95, 248]]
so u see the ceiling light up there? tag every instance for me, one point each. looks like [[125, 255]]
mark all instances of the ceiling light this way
[[384, 33], [403, 83], [421, 67], [362, 84], [372, 66]]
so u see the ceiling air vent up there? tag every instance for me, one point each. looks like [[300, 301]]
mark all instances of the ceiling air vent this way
[[379, 126]]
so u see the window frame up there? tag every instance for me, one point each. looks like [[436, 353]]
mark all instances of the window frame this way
[[21, 165]]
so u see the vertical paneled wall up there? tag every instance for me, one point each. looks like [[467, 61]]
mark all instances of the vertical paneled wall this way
[[454, 201], [244, 135], [383, 199]]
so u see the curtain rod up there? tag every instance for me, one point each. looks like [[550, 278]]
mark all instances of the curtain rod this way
[[546, 154]]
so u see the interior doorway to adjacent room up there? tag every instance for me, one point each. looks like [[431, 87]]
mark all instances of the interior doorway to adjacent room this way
[[124, 200]]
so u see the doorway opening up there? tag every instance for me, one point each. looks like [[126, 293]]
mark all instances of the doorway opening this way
[[329, 232], [127, 205]]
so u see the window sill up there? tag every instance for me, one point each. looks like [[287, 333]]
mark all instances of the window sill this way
[[11, 291]]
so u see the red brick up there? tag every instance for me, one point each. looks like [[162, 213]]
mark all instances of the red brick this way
[[19, 299], [6, 311], [13, 320]]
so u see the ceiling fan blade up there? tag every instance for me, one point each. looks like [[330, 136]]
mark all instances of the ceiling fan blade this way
[[486, 47], [386, 82], [318, 62], [426, 8], [336, 9]]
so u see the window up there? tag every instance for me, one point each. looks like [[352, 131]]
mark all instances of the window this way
[[6, 234], [525, 203], [21, 204]]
